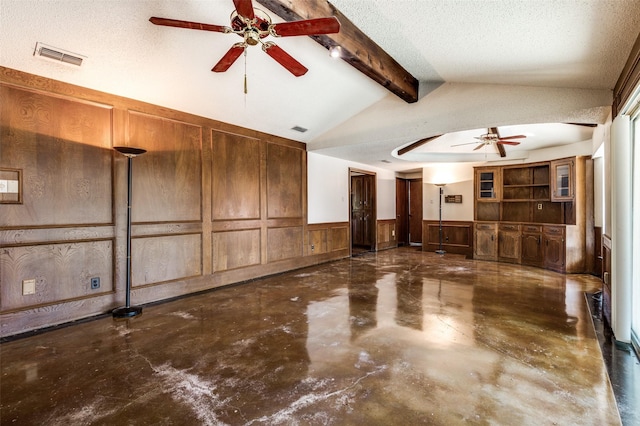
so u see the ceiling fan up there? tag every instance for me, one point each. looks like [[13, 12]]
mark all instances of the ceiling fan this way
[[492, 137], [253, 25]]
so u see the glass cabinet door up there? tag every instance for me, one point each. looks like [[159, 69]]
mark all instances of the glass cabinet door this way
[[487, 185], [562, 180]]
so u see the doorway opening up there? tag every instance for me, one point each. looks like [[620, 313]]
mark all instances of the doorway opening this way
[[409, 211], [362, 214]]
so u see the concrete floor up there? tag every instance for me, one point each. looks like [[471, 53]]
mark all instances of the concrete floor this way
[[397, 337]]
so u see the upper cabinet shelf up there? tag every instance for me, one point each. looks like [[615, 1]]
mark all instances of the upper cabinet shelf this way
[[537, 192]]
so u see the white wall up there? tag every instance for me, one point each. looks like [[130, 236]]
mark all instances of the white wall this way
[[386, 184], [600, 138], [459, 181], [598, 192], [328, 189]]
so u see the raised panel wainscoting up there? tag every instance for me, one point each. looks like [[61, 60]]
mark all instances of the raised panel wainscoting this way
[[213, 204], [386, 237], [457, 236]]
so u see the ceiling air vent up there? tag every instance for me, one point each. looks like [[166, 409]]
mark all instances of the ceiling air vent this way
[[57, 54], [299, 129]]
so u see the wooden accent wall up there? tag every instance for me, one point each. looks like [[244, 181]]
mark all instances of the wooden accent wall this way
[[628, 80], [213, 204], [457, 236], [327, 240], [387, 236]]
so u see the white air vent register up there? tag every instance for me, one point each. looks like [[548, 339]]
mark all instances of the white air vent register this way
[[58, 55]]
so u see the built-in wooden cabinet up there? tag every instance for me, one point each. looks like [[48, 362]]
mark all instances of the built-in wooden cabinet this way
[[527, 244], [522, 193], [485, 241], [488, 184], [554, 248], [509, 242], [531, 243], [562, 177], [531, 213], [487, 193]]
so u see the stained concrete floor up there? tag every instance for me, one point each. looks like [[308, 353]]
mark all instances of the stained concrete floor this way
[[623, 365], [397, 337]]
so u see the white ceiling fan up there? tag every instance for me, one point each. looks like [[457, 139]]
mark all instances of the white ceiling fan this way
[[492, 137]]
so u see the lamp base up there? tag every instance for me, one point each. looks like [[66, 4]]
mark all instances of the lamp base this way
[[127, 311], [440, 252]]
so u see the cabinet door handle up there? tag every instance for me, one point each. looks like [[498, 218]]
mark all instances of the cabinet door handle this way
[[492, 237]]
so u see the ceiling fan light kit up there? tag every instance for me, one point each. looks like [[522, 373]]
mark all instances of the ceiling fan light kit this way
[[253, 25], [492, 137]]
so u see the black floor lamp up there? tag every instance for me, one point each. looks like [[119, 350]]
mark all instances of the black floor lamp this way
[[128, 310], [440, 250]]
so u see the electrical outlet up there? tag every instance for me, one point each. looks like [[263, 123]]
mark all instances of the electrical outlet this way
[[539, 206], [95, 283], [313, 247], [28, 287], [393, 232]]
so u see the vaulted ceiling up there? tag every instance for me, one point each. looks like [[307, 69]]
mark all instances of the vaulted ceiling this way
[[479, 64]]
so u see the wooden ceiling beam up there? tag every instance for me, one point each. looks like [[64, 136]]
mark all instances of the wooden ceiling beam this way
[[357, 49], [416, 144]]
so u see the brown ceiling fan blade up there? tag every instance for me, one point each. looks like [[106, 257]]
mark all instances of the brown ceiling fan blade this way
[[244, 8], [513, 137], [229, 58], [416, 144], [501, 142], [329, 25], [284, 59], [501, 150], [187, 24], [479, 146]]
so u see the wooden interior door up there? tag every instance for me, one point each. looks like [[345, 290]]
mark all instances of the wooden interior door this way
[[363, 214], [402, 212], [415, 211]]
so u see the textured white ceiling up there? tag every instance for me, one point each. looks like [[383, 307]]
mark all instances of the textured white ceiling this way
[[555, 43], [480, 64]]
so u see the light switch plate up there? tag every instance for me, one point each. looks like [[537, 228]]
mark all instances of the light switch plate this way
[[28, 287]]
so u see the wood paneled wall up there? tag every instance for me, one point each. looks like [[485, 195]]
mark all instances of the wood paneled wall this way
[[386, 237], [213, 204], [457, 236]]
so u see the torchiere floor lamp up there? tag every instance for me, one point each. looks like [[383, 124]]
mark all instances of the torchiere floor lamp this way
[[440, 250], [128, 310]]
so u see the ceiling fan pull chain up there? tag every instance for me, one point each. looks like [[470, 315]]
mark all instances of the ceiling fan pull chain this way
[[245, 74]]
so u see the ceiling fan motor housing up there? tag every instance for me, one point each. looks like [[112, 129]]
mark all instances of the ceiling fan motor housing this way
[[251, 36]]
